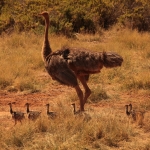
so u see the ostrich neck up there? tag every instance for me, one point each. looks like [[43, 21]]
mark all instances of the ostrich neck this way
[[46, 45], [127, 110], [28, 109], [46, 28], [74, 109], [130, 108], [11, 111], [47, 109]]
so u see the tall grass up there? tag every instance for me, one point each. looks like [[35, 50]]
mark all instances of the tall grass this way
[[19, 58], [21, 63]]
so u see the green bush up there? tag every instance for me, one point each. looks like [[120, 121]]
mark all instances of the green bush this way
[[136, 15], [74, 16]]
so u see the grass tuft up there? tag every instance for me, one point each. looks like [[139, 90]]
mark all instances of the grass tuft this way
[[98, 94]]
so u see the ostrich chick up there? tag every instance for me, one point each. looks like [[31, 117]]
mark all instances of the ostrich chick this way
[[32, 115], [50, 114], [137, 116], [17, 116]]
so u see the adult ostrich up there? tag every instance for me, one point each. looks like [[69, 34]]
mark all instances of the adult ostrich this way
[[69, 64]]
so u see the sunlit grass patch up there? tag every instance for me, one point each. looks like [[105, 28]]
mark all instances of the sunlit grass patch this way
[[26, 85], [88, 37], [98, 94], [18, 60], [133, 40], [4, 83], [141, 81]]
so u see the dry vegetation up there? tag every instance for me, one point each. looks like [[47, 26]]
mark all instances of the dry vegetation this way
[[23, 78]]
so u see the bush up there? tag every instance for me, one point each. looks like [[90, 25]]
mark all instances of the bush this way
[[74, 16], [136, 15]]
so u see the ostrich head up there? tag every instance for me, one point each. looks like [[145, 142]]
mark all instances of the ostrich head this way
[[73, 104], [47, 105], [27, 104], [11, 103], [44, 14]]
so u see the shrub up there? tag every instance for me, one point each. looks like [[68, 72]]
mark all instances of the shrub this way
[[74, 16]]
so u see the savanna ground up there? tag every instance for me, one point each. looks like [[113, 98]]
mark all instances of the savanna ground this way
[[24, 79]]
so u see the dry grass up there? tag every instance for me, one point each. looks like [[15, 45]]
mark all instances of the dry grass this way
[[20, 58], [22, 71], [106, 129]]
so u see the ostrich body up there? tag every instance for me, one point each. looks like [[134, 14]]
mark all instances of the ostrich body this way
[[16, 115], [69, 64], [32, 115], [50, 114]]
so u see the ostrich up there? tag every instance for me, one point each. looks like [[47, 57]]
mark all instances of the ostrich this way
[[16, 115], [86, 117], [32, 115], [132, 112], [50, 114], [69, 64], [137, 116]]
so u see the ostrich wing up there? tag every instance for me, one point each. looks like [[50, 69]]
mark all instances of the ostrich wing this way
[[84, 62], [59, 70]]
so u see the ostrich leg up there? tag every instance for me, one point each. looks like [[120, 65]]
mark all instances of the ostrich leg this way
[[87, 89], [80, 95]]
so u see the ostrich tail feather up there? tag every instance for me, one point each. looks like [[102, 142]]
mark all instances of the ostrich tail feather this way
[[111, 59]]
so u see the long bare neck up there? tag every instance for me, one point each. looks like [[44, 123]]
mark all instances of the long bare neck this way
[[130, 108], [74, 108], [127, 110], [11, 111], [47, 108], [28, 109], [46, 28], [46, 50]]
